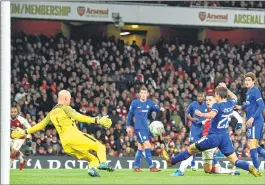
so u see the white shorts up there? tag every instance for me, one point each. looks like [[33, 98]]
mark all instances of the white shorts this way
[[16, 143], [207, 155]]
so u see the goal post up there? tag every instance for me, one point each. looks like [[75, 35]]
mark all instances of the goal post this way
[[5, 91]]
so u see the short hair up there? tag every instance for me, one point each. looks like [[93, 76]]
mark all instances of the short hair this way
[[209, 94], [201, 93], [143, 89], [250, 75], [14, 107], [221, 91]]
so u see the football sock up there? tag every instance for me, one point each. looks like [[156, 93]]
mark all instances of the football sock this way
[[254, 157], [214, 159], [184, 164], [180, 157], [19, 155], [261, 151], [193, 160], [242, 164], [148, 157], [219, 169], [138, 157], [12, 158]]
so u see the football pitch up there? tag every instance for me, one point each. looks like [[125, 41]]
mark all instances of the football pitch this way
[[77, 176]]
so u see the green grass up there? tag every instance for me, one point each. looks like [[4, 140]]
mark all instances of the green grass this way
[[77, 176]]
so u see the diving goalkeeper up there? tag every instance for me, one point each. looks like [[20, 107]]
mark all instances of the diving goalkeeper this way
[[74, 142]]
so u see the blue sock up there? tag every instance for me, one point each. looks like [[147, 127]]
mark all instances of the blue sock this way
[[138, 157], [214, 159], [180, 157], [148, 157], [254, 157], [242, 164], [261, 151], [193, 160]]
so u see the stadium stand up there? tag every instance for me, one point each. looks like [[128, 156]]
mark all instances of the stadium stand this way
[[227, 4], [104, 75]]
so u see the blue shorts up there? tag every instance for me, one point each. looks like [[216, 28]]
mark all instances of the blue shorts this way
[[222, 141], [143, 135], [196, 132], [255, 132]]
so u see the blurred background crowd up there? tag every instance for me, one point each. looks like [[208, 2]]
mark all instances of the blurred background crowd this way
[[104, 76], [230, 4]]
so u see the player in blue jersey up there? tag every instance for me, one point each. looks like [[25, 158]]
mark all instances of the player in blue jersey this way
[[218, 133], [140, 109], [196, 128], [254, 109]]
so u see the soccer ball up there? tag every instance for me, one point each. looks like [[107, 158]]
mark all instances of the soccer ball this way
[[156, 127]]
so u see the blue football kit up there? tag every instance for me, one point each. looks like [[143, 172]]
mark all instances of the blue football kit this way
[[196, 128], [140, 110], [218, 133], [254, 107]]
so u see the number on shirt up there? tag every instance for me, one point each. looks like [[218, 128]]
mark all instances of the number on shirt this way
[[224, 123]]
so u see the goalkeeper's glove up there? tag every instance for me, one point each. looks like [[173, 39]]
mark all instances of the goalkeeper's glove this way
[[104, 121], [18, 133], [238, 126]]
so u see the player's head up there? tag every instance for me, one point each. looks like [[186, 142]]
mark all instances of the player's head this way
[[14, 112], [249, 79], [64, 97], [200, 97], [220, 93], [143, 93], [210, 100]]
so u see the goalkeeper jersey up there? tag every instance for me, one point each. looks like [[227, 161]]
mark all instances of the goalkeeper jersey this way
[[63, 118]]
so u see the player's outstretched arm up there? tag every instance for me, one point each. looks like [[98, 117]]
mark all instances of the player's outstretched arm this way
[[208, 115], [105, 121], [41, 125]]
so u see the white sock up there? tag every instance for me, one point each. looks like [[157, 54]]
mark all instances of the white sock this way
[[20, 157], [185, 164], [11, 162], [219, 169]]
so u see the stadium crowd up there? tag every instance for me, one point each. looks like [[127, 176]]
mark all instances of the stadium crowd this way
[[230, 4], [105, 74]]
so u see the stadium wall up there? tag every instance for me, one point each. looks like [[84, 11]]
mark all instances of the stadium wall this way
[[238, 35], [36, 27], [64, 162]]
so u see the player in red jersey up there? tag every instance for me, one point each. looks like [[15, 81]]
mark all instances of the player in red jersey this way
[[208, 155], [15, 144]]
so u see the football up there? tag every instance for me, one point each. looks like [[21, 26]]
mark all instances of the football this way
[[156, 127]]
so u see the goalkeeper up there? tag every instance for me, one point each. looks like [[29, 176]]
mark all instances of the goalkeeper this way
[[74, 142]]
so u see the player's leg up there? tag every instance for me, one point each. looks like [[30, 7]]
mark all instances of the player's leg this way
[[226, 147], [183, 165], [212, 166], [15, 153], [143, 138], [93, 164], [259, 133], [193, 167], [85, 142], [207, 157], [138, 158], [243, 165], [254, 135], [205, 143], [84, 155], [100, 149], [195, 135]]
